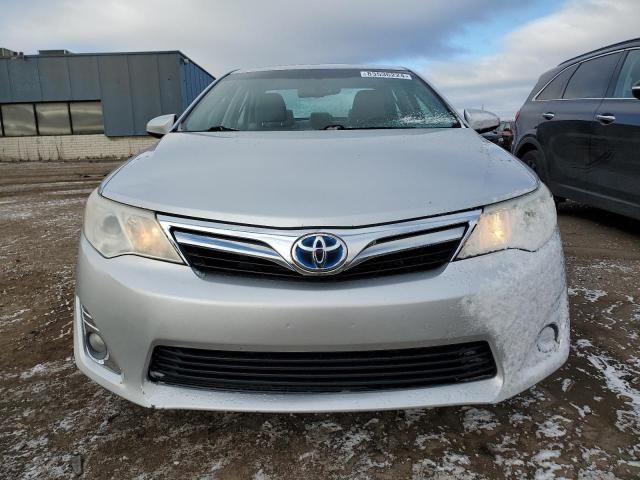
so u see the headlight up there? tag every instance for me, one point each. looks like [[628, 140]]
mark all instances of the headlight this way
[[116, 229], [524, 223]]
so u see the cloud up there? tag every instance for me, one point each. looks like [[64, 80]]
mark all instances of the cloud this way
[[502, 81], [223, 35]]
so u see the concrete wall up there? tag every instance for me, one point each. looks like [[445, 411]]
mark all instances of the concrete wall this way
[[70, 147]]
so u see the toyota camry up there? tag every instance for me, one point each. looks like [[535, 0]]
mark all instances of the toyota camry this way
[[320, 238]]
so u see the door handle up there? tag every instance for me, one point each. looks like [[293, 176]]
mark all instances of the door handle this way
[[549, 115], [605, 119]]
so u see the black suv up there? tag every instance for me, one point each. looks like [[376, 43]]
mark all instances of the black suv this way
[[580, 129]]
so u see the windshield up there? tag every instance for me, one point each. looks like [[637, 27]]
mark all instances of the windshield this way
[[319, 99]]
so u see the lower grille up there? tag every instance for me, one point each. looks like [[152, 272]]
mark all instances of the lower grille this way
[[322, 371]]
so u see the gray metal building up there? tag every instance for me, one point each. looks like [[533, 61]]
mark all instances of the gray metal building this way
[[61, 93]]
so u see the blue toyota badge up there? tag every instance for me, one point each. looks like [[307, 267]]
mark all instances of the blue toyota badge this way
[[319, 252]]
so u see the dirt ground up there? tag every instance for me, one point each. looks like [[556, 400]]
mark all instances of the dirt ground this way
[[582, 422]]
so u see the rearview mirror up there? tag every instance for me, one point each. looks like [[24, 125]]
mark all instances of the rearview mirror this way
[[160, 126], [481, 120], [317, 91], [635, 90]]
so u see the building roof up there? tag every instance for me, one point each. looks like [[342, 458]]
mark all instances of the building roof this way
[[61, 53]]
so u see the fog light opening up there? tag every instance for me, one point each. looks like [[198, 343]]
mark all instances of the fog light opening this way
[[97, 347], [548, 339]]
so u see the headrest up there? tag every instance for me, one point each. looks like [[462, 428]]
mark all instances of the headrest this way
[[270, 109], [371, 106], [320, 120]]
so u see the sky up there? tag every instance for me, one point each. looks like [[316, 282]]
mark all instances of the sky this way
[[476, 52]]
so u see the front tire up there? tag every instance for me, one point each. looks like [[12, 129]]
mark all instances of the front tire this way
[[532, 160]]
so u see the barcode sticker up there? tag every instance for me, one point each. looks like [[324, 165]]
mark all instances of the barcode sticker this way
[[402, 76]]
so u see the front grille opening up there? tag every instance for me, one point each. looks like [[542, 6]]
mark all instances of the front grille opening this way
[[406, 261], [304, 372], [210, 261]]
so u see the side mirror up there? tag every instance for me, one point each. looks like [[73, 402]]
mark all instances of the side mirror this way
[[635, 90], [160, 126], [481, 120]]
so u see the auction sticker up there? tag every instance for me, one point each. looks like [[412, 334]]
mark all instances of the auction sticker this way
[[402, 76]]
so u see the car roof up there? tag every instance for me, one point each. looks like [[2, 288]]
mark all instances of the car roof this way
[[551, 73], [635, 42], [326, 66]]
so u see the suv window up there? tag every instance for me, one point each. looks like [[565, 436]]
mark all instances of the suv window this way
[[554, 90], [629, 75], [592, 77]]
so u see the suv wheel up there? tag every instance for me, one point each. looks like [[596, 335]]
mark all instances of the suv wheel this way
[[532, 160]]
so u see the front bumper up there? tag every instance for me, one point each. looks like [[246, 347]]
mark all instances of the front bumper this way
[[504, 298]]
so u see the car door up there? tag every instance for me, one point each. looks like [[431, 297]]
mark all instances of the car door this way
[[566, 134], [547, 112], [615, 151]]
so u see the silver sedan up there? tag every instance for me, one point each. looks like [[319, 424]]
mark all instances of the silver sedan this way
[[323, 238]]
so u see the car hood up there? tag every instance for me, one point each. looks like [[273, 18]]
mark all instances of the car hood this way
[[319, 178]]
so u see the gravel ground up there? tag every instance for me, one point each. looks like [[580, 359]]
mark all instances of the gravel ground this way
[[582, 422]]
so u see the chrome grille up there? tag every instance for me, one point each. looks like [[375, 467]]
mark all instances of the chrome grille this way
[[207, 260], [406, 261], [420, 245]]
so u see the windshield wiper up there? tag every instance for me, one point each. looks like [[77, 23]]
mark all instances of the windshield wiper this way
[[221, 128], [379, 128]]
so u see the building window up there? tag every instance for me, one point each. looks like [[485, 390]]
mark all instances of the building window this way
[[53, 118], [18, 120], [86, 117], [59, 118]]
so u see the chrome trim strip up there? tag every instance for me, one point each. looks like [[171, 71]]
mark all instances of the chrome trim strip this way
[[535, 97], [87, 318], [358, 240], [596, 54], [89, 326], [408, 243], [585, 98], [231, 246]]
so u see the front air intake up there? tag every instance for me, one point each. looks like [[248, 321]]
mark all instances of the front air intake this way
[[354, 371]]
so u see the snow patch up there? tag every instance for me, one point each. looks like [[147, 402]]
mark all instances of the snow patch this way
[[567, 383], [14, 317], [519, 418], [476, 419], [47, 368], [588, 294], [547, 465], [614, 378], [452, 466], [582, 411], [552, 428], [583, 343]]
